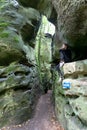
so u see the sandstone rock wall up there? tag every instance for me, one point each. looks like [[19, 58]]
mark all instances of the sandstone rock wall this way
[[44, 52], [71, 104], [72, 24], [43, 6], [20, 72], [19, 81], [19, 25], [18, 90]]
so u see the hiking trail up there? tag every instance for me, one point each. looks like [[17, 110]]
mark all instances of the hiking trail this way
[[44, 118]]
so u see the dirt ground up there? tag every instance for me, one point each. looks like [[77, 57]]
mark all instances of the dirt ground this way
[[44, 118]]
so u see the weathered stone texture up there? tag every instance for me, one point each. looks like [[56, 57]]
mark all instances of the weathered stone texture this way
[[19, 80], [75, 68], [72, 112], [72, 23], [44, 6], [18, 90], [21, 74]]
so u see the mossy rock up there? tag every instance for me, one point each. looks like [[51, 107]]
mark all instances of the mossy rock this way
[[18, 90], [13, 106]]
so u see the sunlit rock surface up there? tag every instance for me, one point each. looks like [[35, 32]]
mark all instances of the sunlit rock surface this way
[[44, 52], [75, 69]]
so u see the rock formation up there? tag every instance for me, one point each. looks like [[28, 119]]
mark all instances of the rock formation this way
[[72, 24], [71, 103], [23, 69], [19, 80], [20, 73]]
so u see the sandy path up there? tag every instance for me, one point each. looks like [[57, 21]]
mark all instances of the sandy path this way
[[44, 118]]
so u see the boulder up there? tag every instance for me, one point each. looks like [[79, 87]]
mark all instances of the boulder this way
[[75, 69]]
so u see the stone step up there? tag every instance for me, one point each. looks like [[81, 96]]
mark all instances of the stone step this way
[[74, 69]]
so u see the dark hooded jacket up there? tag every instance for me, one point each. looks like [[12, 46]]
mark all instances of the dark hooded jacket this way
[[65, 55]]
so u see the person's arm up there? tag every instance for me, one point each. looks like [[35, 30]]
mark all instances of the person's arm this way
[[61, 55]]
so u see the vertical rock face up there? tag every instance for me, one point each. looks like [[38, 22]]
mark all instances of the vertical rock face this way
[[72, 23], [18, 89], [18, 27], [72, 111], [71, 104], [19, 80], [44, 52]]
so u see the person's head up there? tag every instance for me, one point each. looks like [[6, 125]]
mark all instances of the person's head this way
[[65, 46]]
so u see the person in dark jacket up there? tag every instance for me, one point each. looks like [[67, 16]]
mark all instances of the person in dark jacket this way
[[65, 57]]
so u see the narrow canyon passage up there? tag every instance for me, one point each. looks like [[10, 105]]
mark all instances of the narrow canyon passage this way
[[44, 118]]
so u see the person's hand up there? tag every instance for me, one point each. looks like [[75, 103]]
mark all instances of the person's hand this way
[[61, 63]]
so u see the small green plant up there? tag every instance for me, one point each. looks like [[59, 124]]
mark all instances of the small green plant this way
[[15, 39], [3, 24]]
